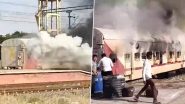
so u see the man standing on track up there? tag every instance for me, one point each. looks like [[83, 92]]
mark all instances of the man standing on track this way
[[147, 78]]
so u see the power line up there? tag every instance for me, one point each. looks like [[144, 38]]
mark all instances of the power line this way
[[15, 17], [10, 20], [60, 10], [17, 4], [74, 7], [16, 12], [32, 6]]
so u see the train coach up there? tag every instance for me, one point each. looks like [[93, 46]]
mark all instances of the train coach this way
[[130, 54], [15, 55]]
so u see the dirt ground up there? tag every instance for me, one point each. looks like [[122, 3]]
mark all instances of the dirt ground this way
[[171, 91]]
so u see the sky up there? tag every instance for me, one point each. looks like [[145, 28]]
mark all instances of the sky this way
[[22, 12]]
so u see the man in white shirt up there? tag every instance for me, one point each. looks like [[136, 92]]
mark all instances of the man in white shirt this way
[[106, 65], [147, 78]]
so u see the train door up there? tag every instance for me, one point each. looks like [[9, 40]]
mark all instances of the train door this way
[[9, 57], [128, 62], [20, 60]]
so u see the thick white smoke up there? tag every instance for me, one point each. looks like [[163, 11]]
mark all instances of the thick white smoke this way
[[146, 20], [62, 51]]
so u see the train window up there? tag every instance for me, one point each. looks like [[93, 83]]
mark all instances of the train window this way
[[171, 54], [150, 53], [137, 56], [178, 54], [157, 55], [154, 55], [144, 55], [127, 57]]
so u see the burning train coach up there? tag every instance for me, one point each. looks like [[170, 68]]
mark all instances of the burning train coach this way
[[15, 55], [166, 56]]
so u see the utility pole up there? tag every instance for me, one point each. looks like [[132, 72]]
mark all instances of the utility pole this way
[[69, 16], [46, 20], [47, 14]]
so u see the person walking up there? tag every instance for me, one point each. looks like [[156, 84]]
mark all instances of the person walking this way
[[147, 78], [106, 65]]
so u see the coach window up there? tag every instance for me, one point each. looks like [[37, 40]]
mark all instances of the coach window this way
[[154, 55], [157, 55], [137, 56], [150, 53], [143, 55], [178, 54], [171, 54], [127, 57]]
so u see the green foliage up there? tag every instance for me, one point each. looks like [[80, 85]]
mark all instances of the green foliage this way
[[16, 34]]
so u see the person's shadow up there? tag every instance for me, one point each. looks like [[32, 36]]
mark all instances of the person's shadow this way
[[119, 99]]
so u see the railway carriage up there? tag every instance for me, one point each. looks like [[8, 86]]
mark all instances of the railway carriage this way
[[15, 55], [165, 56]]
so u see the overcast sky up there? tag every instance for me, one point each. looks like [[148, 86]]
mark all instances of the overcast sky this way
[[11, 11]]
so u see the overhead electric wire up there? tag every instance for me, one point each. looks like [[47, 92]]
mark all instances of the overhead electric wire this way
[[15, 17], [32, 14], [17, 4], [11, 20], [17, 12], [74, 7], [67, 10], [32, 6], [60, 10]]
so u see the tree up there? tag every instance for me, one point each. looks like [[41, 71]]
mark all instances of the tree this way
[[16, 34]]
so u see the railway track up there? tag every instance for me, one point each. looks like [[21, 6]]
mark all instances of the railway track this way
[[175, 81], [41, 87]]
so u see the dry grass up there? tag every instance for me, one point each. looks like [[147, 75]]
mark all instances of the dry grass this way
[[55, 97]]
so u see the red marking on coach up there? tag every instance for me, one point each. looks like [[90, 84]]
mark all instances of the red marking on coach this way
[[118, 67]]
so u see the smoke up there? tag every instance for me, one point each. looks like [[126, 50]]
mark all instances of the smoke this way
[[146, 20], [63, 51], [84, 31], [79, 16]]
